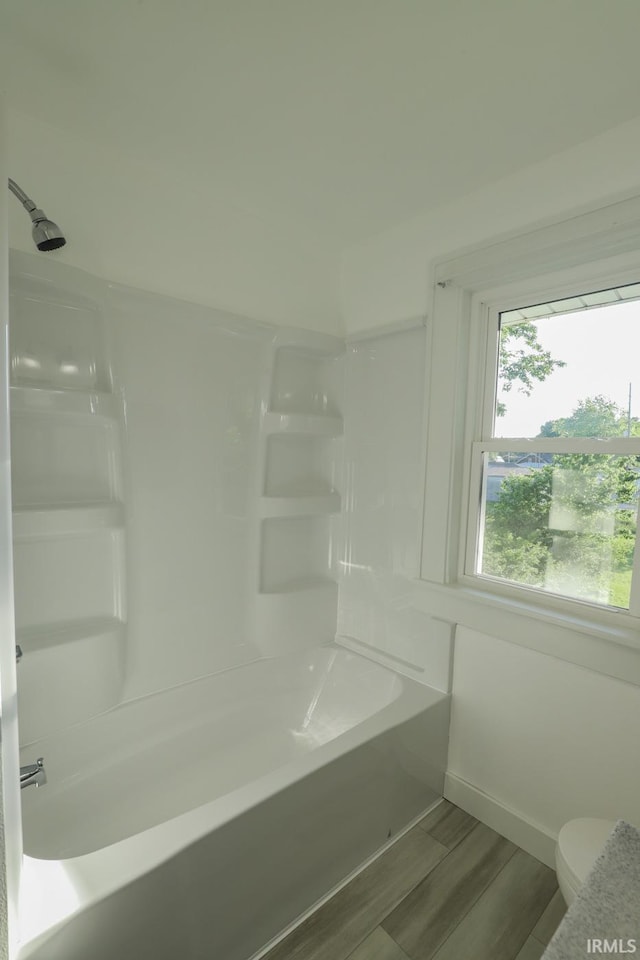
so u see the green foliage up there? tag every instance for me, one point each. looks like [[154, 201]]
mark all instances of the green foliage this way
[[517, 537], [513, 558], [522, 360], [593, 417], [523, 506], [620, 588], [570, 526], [589, 484]]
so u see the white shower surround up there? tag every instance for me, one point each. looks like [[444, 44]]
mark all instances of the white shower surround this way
[[277, 779], [179, 543]]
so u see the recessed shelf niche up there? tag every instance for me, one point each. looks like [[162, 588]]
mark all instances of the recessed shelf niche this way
[[91, 652], [62, 577], [296, 553], [55, 341], [299, 466], [304, 382], [63, 459]]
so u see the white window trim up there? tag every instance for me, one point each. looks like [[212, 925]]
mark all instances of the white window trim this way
[[485, 323], [594, 250]]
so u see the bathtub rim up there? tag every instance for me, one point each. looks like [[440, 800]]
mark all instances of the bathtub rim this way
[[337, 644]]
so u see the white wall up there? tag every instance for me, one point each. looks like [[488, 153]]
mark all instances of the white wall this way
[[386, 278], [140, 225], [543, 738]]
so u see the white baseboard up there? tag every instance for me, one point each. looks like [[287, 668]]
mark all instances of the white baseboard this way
[[533, 838]]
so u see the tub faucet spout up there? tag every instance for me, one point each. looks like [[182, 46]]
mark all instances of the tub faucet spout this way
[[33, 773]]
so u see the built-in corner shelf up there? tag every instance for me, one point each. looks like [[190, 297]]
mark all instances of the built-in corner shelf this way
[[57, 634], [302, 423], [35, 522], [298, 494], [300, 506], [69, 553], [79, 402]]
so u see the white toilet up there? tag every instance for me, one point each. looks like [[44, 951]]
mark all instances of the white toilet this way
[[580, 843]]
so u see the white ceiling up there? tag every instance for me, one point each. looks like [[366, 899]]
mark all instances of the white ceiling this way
[[345, 115]]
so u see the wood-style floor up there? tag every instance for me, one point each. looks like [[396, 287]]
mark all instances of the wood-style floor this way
[[449, 889]]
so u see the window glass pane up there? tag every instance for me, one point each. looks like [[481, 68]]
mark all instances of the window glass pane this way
[[570, 368], [565, 524]]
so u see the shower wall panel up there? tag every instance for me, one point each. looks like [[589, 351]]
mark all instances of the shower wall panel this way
[[176, 490], [382, 521], [191, 380]]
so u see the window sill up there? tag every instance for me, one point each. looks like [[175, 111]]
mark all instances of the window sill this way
[[598, 641]]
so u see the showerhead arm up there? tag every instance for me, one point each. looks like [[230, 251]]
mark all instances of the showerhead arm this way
[[47, 235], [26, 201]]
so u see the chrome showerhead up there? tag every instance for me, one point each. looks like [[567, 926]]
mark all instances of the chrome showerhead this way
[[47, 235]]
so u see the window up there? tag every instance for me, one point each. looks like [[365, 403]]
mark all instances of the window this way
[[555, 478]]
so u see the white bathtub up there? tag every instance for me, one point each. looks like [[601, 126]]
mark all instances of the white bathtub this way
[[197, 823]]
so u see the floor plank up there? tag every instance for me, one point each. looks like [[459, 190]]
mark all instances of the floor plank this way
[[502, 919], [426, 917], [448, 824], [341, 924], [378, 946], [532, 950], [550, 919]]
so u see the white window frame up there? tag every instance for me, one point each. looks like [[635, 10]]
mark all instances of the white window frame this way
[[486, 329], [593, 249]]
